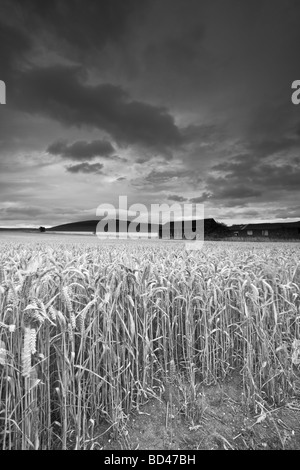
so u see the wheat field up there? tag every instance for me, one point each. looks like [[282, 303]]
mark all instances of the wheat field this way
[[89, 330]]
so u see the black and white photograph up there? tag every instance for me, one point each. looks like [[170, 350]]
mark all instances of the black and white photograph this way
[[149, 227]]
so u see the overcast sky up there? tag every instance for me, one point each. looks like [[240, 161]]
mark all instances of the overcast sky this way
[[160, 100]]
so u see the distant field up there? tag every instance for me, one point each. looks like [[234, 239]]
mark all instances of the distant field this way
[[91, 330], [79, 237]]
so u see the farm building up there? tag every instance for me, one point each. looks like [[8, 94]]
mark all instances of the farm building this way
[[284, 230]]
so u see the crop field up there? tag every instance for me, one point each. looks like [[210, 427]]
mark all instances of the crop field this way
[[90, 331]]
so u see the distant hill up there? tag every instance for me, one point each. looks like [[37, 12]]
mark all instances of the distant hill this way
[[13, 229], [82, 226], [212, 229], [91, 226]]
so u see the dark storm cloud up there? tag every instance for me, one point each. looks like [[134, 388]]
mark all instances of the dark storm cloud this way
[[202, 198], [60, 93], [142, 160], [14, 46], [267, 148], [165, 176], [274, 129], [177, 198], [83, 26], [85, 167], [204, 86], [260, 174], [245, 180], [180, 51], [82, 150], [237, 192]]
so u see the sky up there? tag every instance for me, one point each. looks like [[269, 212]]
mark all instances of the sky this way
[[162, 101]]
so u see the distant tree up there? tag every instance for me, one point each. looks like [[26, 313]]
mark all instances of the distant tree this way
[[42, 229]]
